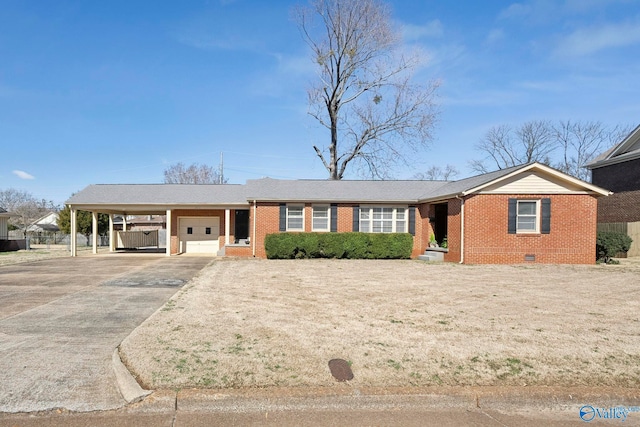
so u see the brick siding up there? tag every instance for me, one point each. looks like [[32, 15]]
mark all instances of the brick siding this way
[[619, 207], [571, 240], [268, 221]]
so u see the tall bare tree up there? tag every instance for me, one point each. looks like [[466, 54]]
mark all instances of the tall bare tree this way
[[565, 145], [581, 142], [504, 146], [364, 96], [438, 173], [178, 173]]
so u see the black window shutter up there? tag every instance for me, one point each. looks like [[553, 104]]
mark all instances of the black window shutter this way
[[283, 217], [545, 227], [334, 217], [412, 220], [513, 207], [356, 218]]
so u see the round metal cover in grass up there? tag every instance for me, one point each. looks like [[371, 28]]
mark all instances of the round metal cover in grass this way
[[340, 369]]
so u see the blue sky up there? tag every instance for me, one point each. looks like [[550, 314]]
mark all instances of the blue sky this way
[[115, 91]]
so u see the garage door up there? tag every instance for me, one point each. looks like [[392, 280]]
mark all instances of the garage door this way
[[199, 235]]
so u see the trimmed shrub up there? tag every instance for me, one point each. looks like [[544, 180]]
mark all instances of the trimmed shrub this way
[[609, 244], [338, 245]]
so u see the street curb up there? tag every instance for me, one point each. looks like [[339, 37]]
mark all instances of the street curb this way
[[128, 386], [506, 399]]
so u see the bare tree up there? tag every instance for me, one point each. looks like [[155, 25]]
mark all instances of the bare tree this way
[[504, 146], [25, 207], [364, 95], [581, 142], [178, 173], [436, 173], [566, 145]]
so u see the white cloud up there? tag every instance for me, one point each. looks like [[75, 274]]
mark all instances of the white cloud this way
[[23, 174], [496, 35], [586, 41], [432, 29]]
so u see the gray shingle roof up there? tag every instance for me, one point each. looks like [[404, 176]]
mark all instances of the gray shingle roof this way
[[267, 189], [159, 194], [457, 187]]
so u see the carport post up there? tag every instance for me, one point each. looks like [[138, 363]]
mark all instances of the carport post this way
[[227, 226], [74, 233], [168, 233], [112, 241], [94, 231]]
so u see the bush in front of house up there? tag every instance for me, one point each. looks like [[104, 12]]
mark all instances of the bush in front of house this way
[[339, 245], [609, 244]]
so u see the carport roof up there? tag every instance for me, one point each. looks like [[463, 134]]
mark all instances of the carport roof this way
[[160, 194]]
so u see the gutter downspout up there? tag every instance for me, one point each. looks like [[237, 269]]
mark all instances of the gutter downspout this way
[[461, 229], [254, 229]]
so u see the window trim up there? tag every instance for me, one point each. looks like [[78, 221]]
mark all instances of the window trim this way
[[288, 216], [368, 210], [321, 208], [537, 216]]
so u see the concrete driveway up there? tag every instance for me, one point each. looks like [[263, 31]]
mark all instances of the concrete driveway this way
[[61, 319]]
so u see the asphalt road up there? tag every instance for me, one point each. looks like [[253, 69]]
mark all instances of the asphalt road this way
[[61, 319]]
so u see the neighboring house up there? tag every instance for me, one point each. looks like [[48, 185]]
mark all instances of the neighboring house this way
[[139, 222], [618, 170], [4, 223], [44, 229], [528, 213], [7, 243], [47, 223]]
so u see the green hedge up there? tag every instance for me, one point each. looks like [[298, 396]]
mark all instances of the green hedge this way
[[339, 245], [610, 243]]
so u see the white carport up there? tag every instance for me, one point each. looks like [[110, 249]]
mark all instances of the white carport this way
[[193, 212]]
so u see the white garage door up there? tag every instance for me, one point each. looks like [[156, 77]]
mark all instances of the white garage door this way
[[199, 235]]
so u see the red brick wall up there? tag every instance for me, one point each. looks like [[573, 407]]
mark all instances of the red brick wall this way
[[268, 221], [454, 230], [571, 241], [619, 207]]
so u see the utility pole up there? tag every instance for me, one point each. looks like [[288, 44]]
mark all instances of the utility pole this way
[[221, 168]]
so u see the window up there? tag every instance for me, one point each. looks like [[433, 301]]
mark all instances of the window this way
[[207, 230], [295, 218], [527, 216], [189, 230], [383, 220], [321, 217]]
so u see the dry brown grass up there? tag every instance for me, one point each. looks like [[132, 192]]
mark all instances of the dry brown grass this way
[[37, 253], [259, 323]]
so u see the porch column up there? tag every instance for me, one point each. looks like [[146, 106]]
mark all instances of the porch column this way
[[168, 234], [74, 233], [112, 240], [227, 226], [94, 231], [124, 222]]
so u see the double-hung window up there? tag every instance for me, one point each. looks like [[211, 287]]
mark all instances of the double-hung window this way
[[295, 218], [528, 212], [375, 219], [321, 216]]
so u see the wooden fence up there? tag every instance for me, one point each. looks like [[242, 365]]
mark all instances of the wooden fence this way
[[137, 239]]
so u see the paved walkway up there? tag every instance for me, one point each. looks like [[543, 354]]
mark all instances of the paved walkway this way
[[61, 319]]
